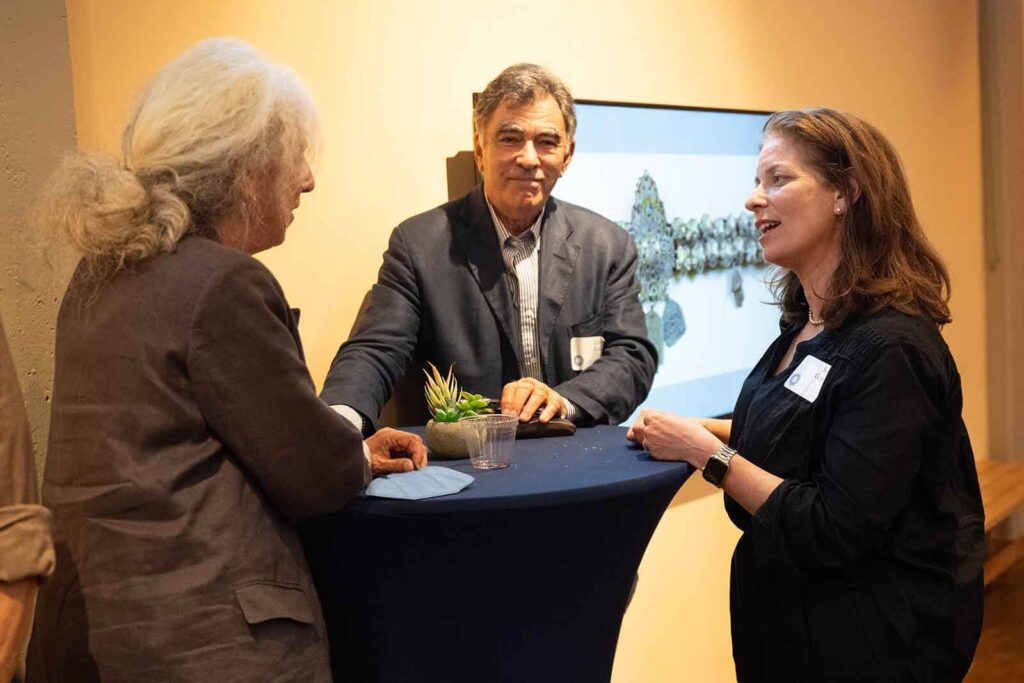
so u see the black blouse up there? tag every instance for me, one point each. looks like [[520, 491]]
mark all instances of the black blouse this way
[[866, 562]]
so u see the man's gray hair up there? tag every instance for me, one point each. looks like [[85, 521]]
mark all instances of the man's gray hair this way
[[520, 84]]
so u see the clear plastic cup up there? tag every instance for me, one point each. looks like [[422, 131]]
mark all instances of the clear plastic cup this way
[[490, 440]]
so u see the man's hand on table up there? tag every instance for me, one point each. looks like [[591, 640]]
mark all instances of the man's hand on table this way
[[393, 451], [525, 396]]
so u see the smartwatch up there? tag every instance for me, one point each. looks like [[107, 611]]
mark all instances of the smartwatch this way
[[717, 465]]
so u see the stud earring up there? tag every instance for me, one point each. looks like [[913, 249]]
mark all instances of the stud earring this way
[[839, 210]]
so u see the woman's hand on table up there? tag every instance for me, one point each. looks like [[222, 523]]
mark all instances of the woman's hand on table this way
[[670, 437], [393, 451]]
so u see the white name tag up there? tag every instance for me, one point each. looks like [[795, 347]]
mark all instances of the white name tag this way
[[585, 350], [808, 377]]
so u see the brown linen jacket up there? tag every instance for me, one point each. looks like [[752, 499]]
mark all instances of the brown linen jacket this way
[[25, 548], [187, 439]]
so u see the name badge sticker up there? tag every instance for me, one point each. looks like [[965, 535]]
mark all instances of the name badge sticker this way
[[585, 350], [808, 377]]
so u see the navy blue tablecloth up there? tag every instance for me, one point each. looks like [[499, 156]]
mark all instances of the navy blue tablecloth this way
[[523, 576], [594, 463]]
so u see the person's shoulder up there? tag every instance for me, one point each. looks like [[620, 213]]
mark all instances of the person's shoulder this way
[[181, 273], [582, 218], [438, 219], [203, 265], [210, 256], [873, 335], [429, 234], [225, 283], [207, 252], [173, 286], [889, 326], [597, 232]]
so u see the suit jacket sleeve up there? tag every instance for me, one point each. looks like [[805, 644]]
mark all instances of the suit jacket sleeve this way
[[256, 394], [369, 365], [25, 546], [611, 389]]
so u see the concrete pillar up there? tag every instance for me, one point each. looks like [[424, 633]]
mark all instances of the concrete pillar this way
[[37, 125]]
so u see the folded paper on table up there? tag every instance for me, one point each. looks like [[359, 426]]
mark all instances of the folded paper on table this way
[[429, 482]]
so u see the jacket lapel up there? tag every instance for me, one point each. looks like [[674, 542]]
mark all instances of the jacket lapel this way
[[479, 241], [558, 254]]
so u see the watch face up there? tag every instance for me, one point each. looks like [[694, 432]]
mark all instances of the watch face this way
[[715, 469]]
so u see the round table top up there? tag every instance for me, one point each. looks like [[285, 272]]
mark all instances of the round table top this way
[[595, 463]]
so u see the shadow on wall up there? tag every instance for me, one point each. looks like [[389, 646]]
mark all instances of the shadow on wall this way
[[462, 174]]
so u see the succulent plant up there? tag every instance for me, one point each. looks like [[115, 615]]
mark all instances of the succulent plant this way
[[447, 402]]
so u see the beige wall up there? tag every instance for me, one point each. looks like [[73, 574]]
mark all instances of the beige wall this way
[[393, 82], [36, 126]]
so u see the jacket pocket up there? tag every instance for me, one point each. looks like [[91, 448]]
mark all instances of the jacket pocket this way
[[262, 602], [591, 327]]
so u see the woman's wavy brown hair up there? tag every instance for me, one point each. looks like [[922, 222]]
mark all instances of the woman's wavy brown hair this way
[[886, 261]]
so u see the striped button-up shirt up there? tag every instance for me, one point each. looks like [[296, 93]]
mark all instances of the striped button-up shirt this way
[[522, 268]]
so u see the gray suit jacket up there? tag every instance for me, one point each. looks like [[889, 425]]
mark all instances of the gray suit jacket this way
[[442, 296], [186, 440]]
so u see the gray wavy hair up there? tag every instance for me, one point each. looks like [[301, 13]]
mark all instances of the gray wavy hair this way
[[520, 84], [202, 133]]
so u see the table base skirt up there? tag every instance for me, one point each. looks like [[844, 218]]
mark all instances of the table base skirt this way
[[535, 594]]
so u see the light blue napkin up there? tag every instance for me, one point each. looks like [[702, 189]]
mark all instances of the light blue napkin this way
[[428, 482]]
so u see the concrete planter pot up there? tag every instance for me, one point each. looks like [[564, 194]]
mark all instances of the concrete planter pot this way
[[446, 441]]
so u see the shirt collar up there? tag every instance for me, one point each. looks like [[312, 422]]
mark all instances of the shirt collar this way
[[504, 234]]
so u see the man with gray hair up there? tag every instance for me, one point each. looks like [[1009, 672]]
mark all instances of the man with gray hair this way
[[532, 299]]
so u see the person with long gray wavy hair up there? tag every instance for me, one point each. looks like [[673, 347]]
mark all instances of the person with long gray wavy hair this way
[[186, 437]]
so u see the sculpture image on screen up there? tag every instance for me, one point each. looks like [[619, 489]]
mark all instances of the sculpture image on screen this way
[[677, 179]]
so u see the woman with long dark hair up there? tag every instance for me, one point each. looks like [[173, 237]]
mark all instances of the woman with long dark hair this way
[[848, 466]]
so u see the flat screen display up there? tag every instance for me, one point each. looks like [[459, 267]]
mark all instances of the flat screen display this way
[[676, 179]]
